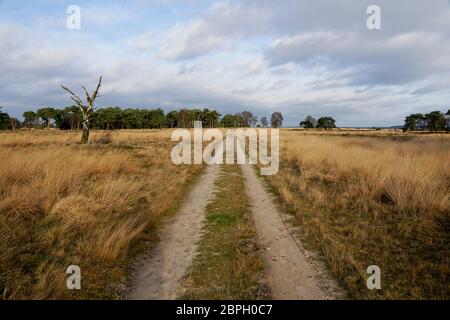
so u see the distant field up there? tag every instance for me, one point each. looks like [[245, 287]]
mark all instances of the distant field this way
[[380, 199], [366, 132], [64, 204]]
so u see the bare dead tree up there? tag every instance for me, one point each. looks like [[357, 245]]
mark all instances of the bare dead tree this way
[[86, 110]]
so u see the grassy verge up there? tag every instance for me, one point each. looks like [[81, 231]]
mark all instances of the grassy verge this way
[[93, 206], [228, 264], [363, 202]]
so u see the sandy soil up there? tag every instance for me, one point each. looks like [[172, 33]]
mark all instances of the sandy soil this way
[[157, 276], [292, 273]]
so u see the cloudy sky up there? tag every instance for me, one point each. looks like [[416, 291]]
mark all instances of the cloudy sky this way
[[299, 57]]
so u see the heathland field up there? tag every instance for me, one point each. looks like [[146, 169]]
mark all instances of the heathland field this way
[[368, 199], [93, 206], [356, 199]]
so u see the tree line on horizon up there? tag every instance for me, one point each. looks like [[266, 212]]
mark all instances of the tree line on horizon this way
[[83, 115], [115, 118], [433, 121]]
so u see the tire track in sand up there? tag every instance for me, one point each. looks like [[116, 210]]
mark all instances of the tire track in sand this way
[[158, 276], [290, 273]]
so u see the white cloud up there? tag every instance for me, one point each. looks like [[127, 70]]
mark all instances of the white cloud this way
[[400, 58], [188, 41], [102, 16]]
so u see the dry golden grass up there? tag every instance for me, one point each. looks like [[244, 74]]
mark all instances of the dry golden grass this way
[[64, 204], [373, 200], [365, 132], [33, 137]]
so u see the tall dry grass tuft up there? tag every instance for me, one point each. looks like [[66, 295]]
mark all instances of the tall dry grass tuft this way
[[373, 200], [63, 204]]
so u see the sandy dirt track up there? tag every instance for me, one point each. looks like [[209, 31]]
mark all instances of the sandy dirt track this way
[[158, 276], [290, 273]]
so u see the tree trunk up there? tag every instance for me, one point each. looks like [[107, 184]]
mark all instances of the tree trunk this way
[[85, 135]]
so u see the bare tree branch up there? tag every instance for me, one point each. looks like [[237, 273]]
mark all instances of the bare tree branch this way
[[79, 105], [95, 94], [88, 98], [74, 97]]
